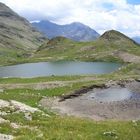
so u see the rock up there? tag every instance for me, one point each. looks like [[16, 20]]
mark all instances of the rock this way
[[138, 80], [46, 115], [121, 84], [39, 105], [3, 120], [4, 103], [23, 107], [15, 126], [1, 90], [6, 137], [28, 116], [8, 111], [134, 122], [3, 113], [111, 133], [40, 135], [110, 83]]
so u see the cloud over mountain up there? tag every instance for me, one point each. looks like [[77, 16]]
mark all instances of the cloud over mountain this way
[[101, 15]]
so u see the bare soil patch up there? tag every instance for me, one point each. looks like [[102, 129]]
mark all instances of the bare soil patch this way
[[41, 85], [83, 106], [127, 57]]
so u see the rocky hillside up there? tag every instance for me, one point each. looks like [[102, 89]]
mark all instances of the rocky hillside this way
[[75, 31], [16, 34], [111, 46]]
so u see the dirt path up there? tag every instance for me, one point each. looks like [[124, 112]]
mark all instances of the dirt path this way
[[51, 84], [41, 85], [44, 85]]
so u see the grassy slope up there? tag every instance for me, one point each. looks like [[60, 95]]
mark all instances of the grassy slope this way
[[17, 37], [66, 128], [69, 128], [102, 49]]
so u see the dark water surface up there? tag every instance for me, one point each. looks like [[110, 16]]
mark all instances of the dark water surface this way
[[58, 68]]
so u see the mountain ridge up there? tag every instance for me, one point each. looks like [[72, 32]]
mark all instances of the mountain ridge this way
[[15, 25], [111, 46], [113, 35], [75, 31], [17, 36]]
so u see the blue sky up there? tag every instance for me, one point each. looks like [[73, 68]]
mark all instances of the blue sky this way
[[133, 1], [101, 15]]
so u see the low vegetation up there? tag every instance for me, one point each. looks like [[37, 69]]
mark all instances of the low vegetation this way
[[49, 125], [52, 126], [106, 48]]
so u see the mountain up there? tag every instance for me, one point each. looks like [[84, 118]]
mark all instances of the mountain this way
[[118, 39], [137, 39], [16, 35], [111, 46], [75, 31]]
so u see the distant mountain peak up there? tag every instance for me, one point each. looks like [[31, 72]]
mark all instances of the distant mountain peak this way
[[75, 31], [77, 23]]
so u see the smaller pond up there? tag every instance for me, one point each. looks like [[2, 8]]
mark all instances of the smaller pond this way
[[113, 94]]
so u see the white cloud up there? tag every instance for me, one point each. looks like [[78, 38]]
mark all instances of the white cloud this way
[[101, 15]]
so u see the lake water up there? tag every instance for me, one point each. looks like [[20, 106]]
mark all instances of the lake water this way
[[58, 68], [113, 94]]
